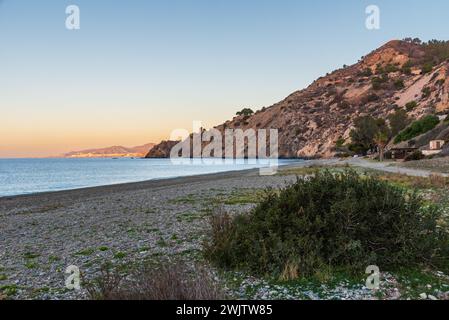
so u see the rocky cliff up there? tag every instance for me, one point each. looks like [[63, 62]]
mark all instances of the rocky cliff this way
[[310, 121]]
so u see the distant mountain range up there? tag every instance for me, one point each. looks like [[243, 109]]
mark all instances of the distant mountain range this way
[[111, 152]]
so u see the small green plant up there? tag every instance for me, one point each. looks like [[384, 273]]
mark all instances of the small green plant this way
[[378, 82], [427, 67], [161, 243], [426, 91], [103, 248], [119, 255], [340, 142], [411, 106], [440, 82], [85, 252], [367, 72], [390, 68], [31, 255], [31, 264], [399, 84], [53, 258], [9, 290], [407, 68]]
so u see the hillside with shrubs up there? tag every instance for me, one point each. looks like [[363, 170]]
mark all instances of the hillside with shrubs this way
[[399, 83]]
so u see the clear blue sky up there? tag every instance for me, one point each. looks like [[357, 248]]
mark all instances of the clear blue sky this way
[[138, 69]]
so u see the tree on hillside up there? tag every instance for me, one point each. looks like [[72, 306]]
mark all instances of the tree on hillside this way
[[245, 112], [398, 121], [364, 134]]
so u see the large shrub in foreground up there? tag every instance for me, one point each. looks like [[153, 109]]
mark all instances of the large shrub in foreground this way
[[339, 220]]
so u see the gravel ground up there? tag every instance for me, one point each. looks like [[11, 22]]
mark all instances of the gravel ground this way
[[43, 234], [440, 165]]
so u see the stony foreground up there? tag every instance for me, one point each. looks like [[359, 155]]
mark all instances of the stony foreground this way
[[41, 235]]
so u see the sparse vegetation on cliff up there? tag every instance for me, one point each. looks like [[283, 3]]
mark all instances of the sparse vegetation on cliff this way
[[395, 75], [245, 112], [418, 127]]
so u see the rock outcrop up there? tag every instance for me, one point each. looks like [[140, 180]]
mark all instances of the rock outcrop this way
[[162, 150]]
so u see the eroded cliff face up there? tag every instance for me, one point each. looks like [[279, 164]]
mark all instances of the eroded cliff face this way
[[161, 150], [310, 121]]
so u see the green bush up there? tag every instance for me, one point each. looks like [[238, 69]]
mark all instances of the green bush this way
[[378, 82], [427, 67], [245, 112], [366, 72], [340, 142], [340, 221], [411, 105], [399, 84], [440, 82], [417, 128], [407, 68], [391, 68], [426, 92]]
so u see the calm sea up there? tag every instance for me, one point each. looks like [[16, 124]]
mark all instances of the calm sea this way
[[25, 176]]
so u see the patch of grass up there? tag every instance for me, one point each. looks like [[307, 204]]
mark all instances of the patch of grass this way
[[434, 181], [85, 252], [38, 291], [3, 277], [189, 199], [31, 265], [103, 248], [190, 216], [413, 282], [53, 258], [310, 170], [31, 255], [144, 249], [9, 289], [119, 255], [244, 197], [162, 243]]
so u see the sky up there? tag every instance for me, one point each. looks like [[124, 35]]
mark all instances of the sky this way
[[138, 69]]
